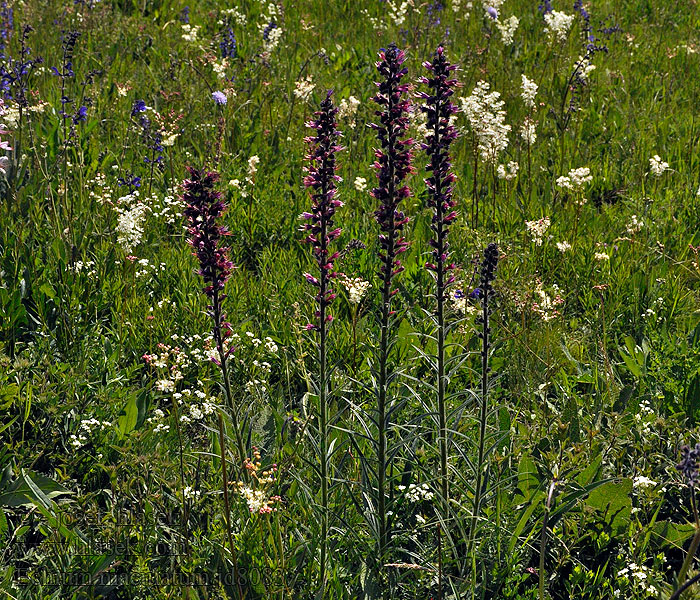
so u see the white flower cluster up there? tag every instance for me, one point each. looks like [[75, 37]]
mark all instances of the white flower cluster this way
[[169, 208], [651, 312], [347, 109], [85, 430], [509, 171], [657, 166], [356, 288], [130, 220], [274, 33], [237, 15], [507, 29], [397, 12], [157, 420], [189, 32], [529, 91], [196, 402], [103, 193], [457, 7], [639, 576], [601, 256], [416, 493], [557, 25], [190, 493], [148, 268], [219, 67], [563, 246], [545, 307], [641, 482], [584, 67], [537, 229], [528, 131], [484, 111], [377, 23], [88, 266], [253, 163], [635, 225], [304, 88], [496, 4], [360, 184], [576, 179]]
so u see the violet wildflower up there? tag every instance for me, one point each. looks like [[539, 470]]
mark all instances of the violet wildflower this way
[[139, 107], [184, 15], [393, 165], [219, 98], [7, 24], [439, 110], [227, 44], [492, 12], [14, 74], [153, 140], [131, 181], [321, 181], [80, 115], [545, 7]]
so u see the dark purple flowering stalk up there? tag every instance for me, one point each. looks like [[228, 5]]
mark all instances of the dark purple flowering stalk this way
[[393, 165], [441, 133], [688, 466], [321, 181], [203, 209], [488, 275]]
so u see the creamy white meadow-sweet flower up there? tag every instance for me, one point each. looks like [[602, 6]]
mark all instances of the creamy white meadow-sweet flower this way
[[507, 29], [484, 111], [304, 88], [657, 166], [576, 179], [509, 171], [360, 184], [356, 288], [529, 91], [537, 229], [528, 131], [557, 25]]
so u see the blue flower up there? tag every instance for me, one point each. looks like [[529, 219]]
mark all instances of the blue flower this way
[[80, 115], [493, 13], [139, 106], [219, 98]]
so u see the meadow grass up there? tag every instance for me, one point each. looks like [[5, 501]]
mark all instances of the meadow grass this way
[[410, 455]]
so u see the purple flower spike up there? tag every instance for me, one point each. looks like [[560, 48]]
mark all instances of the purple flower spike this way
[[204, 207], [439, 110], [321, 180], [393, 162]]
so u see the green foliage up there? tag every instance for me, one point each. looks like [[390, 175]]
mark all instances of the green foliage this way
[[596, 348]]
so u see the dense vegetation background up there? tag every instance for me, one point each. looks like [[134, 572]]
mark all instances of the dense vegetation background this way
[[111, 481]]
